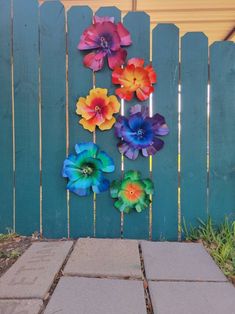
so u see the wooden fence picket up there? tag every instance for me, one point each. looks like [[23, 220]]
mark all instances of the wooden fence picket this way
[[194, 81], [136, 225], [80, 80], [6, 155], [165, 55], [26, 91], [108, 220], [222, 130], [53, 83]]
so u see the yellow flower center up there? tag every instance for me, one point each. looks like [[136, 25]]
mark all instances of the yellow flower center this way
[[97, 109]]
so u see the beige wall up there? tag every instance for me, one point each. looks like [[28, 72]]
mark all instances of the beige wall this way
[[215, 18]]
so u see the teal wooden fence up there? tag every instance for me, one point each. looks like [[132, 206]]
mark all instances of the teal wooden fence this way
[[42, 76]]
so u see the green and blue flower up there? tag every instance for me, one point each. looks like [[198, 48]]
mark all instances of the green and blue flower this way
[[85, 170]]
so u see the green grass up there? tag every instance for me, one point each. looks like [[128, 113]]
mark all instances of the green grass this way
[[218, 240], [7, 236], [11, 254]]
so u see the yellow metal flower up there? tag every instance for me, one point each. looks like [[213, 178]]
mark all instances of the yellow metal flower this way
[[97, 109]]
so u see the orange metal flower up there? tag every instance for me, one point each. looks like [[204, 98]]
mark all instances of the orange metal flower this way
[[97, 109], [134, 78]]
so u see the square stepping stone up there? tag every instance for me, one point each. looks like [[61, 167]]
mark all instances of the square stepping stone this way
[[179, 261], [76, 295], [104, 257], [33, 273], [20, 306], [192, 297]]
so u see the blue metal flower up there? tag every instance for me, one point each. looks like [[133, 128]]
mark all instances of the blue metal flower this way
[[85, 169], [140, 132]]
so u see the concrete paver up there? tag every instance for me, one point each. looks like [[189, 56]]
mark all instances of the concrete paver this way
[[33, 273], [76, 295], [20, 306], [105, 257], [192, 297], [179, 261]]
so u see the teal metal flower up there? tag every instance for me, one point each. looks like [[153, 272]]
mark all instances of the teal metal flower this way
[[85, 170], [132, 193]]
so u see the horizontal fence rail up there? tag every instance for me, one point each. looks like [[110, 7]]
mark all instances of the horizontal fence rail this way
[[42, 76]]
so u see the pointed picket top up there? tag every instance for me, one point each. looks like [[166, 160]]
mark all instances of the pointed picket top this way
[[165, 26], [227, 43], [194, 36], [105, 11], [83, 9]]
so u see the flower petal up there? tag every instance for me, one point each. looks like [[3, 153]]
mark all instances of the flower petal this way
[[107, 124], [132, 153], [70, 161], [123, 147], [101, 19], [149, 187], [82, 183], [114, 103], [116, 74], [90, 146], [159, 125], [88, 125], [89, 39], [114, 188], [138, 62], [124, 35], [101, 187], [143, 93], [121, 121], [151, 74], [84, 110], [144, 110], [79, 191], [139, 207], [119, 205], [132, 175], [94, 60], [107, 162], [136, 121], [98, 92], [124, 93], [154, 148], [117, 58]]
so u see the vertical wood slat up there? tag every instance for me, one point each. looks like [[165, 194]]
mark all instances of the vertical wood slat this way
[[80, 80], [165, 61], [6, 153], [27, 176], [222, 131], [194, 80], [136, 225], [53, 88], [108, 222]]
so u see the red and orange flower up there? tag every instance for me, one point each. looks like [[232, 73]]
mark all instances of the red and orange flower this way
[[97, 109], [135, 77]]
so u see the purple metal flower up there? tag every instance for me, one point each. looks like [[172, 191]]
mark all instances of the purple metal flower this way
[[140, 132], [106, 39]]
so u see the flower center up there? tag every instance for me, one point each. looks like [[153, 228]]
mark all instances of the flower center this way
[[103, 42], [140, 133], [97, 109], [87, 170]]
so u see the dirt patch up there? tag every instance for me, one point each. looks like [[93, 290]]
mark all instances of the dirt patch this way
[[11, 248]]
